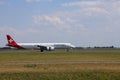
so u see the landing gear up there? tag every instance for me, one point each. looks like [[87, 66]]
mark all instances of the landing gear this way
[[41, 50]]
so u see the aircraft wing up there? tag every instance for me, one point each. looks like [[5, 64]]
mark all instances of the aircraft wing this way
[[42, 48]]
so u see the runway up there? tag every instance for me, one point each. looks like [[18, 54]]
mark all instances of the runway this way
[[59, 63]]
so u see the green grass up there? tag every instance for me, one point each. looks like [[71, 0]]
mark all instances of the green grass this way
[[58, 56], [83, 75], [11, 67]]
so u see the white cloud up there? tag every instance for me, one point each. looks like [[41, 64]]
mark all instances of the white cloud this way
[[97, 19], [101, 14], [45, 19], [81, 3], [95, 11], [66, 24], [88, 6], [38, 0]]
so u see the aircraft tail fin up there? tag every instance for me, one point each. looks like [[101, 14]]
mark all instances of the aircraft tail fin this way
[[10, 40]]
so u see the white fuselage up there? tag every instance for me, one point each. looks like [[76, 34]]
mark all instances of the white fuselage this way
[[52, 45]]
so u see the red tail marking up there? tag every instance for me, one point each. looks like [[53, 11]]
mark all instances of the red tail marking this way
[[12, 43]]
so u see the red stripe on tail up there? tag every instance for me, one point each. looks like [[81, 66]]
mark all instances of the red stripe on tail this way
[[12, 43]]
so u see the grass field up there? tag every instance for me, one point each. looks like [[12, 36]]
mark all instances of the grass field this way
[[54, 65]]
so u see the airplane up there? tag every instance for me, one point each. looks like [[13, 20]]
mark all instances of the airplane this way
[[40, 46]]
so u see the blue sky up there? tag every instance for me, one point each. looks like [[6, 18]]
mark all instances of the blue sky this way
[[80, 22]]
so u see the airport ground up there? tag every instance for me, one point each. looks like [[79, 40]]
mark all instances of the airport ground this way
[[85, 64]]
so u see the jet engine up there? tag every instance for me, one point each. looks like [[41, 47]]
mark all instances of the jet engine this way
[[50, 48]]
